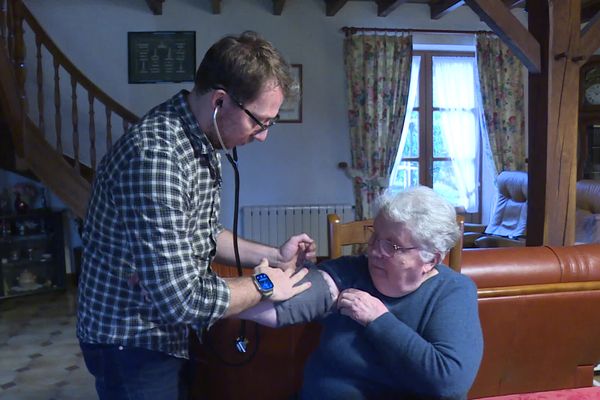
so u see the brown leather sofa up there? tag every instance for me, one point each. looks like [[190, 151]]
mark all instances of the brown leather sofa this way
[[540, 315]]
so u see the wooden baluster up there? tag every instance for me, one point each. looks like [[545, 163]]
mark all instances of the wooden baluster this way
[[57, 113], [3, 22], [92, 132], [40, 86], [10, 29], [19, 64], [108, 129], [75, 121], [125, 126], [19, 47]]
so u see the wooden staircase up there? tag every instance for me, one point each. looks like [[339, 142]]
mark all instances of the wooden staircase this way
[[28, 114]]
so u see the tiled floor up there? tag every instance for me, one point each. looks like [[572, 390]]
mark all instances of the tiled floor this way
[[40, 358]]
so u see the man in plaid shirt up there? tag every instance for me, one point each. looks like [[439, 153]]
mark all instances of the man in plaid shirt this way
[[152, 227]]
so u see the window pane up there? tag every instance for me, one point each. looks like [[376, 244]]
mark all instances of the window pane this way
[[453, 82], [440, 147], [458, 126], [406, 174], [444, 181], [456, 189], [411, 147]]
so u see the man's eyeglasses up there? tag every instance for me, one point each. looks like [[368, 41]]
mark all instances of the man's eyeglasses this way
[[388, 249], [263, 126]]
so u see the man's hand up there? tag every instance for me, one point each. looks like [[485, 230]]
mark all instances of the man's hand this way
[[360, 306], [296, 250], [284, 282]]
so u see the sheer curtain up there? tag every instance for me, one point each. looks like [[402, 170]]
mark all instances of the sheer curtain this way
[[399, 166], [454, 102]]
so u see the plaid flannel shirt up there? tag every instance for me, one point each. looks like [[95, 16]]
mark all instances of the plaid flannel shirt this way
[[150, 236]]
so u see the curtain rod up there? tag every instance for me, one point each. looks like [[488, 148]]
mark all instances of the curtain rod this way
[[349, 30]]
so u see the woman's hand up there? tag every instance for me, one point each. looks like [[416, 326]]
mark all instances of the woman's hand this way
[[360, 306]]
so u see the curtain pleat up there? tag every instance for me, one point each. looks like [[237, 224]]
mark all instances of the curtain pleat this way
[[378, 76], [502, 92]]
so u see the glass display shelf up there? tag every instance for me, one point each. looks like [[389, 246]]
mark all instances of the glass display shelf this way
[[32, 253]]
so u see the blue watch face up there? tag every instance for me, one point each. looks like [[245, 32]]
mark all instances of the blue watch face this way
[[264, 281]]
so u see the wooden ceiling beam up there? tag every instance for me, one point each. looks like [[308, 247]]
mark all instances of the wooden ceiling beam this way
[[438, 10], [385, 7], [216, 6], [590, 37], [278, 6], [155, 6], [498, 17], [333, 6]]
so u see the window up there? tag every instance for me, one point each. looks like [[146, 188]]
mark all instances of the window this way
[[440, 145]]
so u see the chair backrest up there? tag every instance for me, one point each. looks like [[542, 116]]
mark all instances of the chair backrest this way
[[588, 196], [510, 213], [587, 212], [357, 232]]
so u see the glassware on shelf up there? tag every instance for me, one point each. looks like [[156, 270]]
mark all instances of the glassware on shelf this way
[[21, 229], [20, 206], [5, 202], [14, 255], [44, 200], [5, 227]]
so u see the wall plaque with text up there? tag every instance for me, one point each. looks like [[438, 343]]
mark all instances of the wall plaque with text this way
[[161, 56]]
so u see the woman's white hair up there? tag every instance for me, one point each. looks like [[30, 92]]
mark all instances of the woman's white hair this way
[[430, 218]]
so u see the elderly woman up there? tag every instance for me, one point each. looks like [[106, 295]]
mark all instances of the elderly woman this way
[[396, 322]]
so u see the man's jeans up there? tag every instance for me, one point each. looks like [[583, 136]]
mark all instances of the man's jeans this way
[[127, 373]]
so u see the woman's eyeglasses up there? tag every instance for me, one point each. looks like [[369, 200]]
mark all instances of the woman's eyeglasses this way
[[388, 249]]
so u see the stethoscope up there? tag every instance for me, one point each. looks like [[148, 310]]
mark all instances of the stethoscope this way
[[241, 342]]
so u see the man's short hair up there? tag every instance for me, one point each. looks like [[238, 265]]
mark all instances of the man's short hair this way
[[243, 65]]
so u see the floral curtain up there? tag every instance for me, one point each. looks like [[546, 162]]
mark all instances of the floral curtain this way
[[502, 92], [378, 76]]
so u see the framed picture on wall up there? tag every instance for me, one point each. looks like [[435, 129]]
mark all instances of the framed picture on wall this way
[[162, 56], [291, 109]]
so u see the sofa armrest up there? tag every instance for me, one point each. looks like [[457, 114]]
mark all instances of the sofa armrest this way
[[469, 239], [498, 241], [471, 227]]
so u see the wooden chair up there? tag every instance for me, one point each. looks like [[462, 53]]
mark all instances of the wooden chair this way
[[356, 232]]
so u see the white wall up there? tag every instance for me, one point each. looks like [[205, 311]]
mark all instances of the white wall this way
[[298, 163]]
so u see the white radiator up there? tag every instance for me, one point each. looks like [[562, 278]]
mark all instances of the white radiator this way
[[273, 225]]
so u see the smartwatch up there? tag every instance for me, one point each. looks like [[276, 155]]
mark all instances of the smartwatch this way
[[263, 283]]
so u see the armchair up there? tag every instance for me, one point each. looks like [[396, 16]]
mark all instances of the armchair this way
[[587, 212], [509, 222]]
